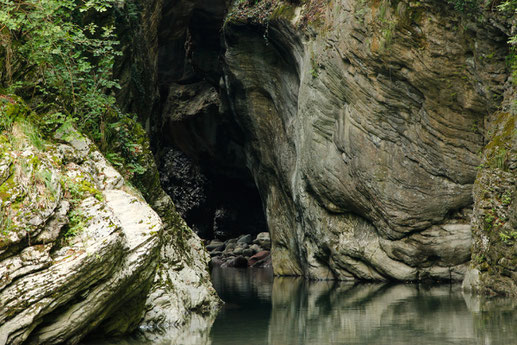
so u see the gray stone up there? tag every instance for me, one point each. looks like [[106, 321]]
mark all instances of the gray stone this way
[[246, 239], [237, 262], [230, 247], [263, 239], [343, 142], [363, 148], [238, 250], [215, 246], [256, 248], [471, 282], [232, 241]]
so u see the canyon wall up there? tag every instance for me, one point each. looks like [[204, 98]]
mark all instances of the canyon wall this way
[[362, 124]]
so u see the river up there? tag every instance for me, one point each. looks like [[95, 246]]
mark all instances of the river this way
[[262, 309]]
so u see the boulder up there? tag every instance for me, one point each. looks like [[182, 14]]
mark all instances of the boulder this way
[[230, 247], [215, 245], [248, 252], [256, 248], [245, 239], [264, 263], [238, 250], [83, 245], [217, 261], [236, 262], [258, 257], [264, 240]]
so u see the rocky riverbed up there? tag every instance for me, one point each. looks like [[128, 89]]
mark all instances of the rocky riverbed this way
[[241, 252]]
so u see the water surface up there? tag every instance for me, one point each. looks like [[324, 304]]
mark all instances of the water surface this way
[[261, 309]]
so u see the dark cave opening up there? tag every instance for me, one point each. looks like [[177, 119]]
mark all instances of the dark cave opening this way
[[199, 148], [225, 210], [214, 205]]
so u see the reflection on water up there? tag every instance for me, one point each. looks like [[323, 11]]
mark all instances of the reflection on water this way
[[261, 309]]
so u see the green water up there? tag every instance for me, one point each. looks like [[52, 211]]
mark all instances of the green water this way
[[261, 309]]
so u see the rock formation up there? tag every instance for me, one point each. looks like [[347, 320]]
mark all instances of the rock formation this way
[[361, 124], [81, 250]]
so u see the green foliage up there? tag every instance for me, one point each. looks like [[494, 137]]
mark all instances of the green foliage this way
[[6, 224], [76, 223], [489, 221], [500, 158], [58, 55], [465, 6], [314, 66], [508, 237], [510, 7], [33, 134], [10, 111], [506, 198], [123, 141], [79, 188], [479, 258]]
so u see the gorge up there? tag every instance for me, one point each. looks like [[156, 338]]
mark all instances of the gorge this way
[[374, 140], [362, 126]]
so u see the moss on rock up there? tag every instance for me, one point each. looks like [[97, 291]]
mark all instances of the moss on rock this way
[[494, 222]]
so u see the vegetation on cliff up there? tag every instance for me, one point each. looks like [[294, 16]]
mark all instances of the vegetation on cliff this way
[[74, 235], [58, 55]]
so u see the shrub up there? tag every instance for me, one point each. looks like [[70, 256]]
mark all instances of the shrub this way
[[54, 54]]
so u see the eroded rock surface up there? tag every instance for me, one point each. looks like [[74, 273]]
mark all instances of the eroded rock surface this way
[[80, 248], [494, 222], [361, 124], [375, 142]]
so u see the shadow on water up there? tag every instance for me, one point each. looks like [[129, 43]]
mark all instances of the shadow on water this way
[[261, 309]]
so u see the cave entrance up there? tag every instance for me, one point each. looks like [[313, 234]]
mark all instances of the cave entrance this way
[[224, 209], [197, 143]]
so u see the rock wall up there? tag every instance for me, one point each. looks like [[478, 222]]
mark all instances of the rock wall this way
[[362, 125], [375, 124], [194, 141], [81, 250], [494, 222]]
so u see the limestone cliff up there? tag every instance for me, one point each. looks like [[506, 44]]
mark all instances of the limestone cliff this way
[[81, 250], [362, 125]]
